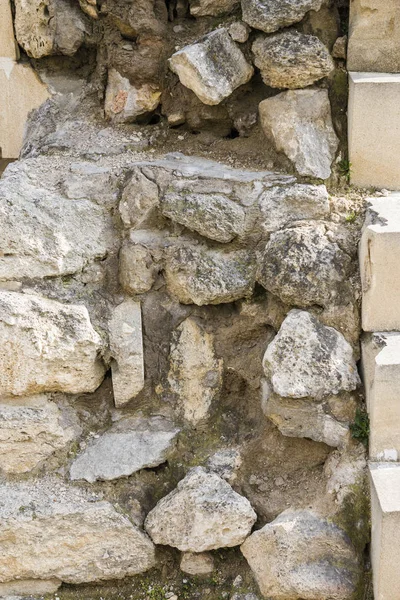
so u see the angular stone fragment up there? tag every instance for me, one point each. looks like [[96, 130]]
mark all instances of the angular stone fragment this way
[[271, 15], [309, 359], [125, 102], [202, 513], [126, 346], [213, 67], [201, 276], [137, 271], [52, 532], [139, 198], [195, 374], [300, 555], [212, 8], [304, 265], [281, 206], [213, 215], [46, 346], [31, 430], [130, 445], [299, 123], [226, 463], [291, 59], [197, 564]]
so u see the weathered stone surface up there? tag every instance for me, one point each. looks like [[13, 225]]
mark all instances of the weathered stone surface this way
[[306, 265], [8, 46], [197, 564], [201, 276], [300, 555], [271, 15], [46, 346], [204, 8], [340, 48], [49, 27], [31, 430], [202, 513], [137, 270], [291, 59], [126, 347], [282, 206], [132, 444], [309, 359], [239, 31], [299, 123], [139, 198], [226, 463], [213, 67], [29, 587], [52, 532], [213, 215], [195, 374], [125, 102]]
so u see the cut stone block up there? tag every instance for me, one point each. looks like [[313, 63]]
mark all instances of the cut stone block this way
[[385, 548], [374, 129], [374, 36], [8, 47], [379, 264]]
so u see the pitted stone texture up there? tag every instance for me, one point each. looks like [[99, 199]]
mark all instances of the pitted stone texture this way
[[291, 59], [49, 27], [281, 206], [31, 430], [204, 8], [49, 531], [139, 199], [299, 123], [300, 555], [126, 347], [307, 359], [124, 102], [130, 445], [197, 564], [196, 275], [212, 215], [306, 265], [203, 513], [47, 346], [271, 15], [213, 67], [137, 270], [195, 374]]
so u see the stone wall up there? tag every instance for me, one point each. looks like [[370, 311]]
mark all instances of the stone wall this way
[[179, 306]]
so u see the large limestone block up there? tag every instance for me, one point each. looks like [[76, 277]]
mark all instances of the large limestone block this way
[[385, 517], [203, 513], [379, 265], [374, 36], [8, 47], [52, 532], [374, 126], [46, 346], [300, 555], [271, 15]]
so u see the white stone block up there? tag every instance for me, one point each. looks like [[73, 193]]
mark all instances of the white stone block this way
[[374, 129]]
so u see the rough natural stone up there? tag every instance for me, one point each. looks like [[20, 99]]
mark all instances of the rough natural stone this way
[[16, 590], [340, 48], [239, 31], [46, 346], [49, 27], [197, 564], [52, 532], [132, 444], [139, 198], [300, 555], [212, 215], [195, 374], [213, 67], [126, 347], [226, 463], [201, 276], [271, 15], [203, 513], [124, 102], [299, 123], [291, 59], [281, 206], [137, 270], [8, 46], [305, 265], [205, 8], [309, 359]]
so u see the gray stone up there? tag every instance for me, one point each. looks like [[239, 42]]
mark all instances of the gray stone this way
[[197, 564], [301, 555], [226, 463], [271, 15], [212, 8], [239, 31], [307, 359], [291, 59], [212, 215], [130, 445], [299, 123], [137, 270], [213, 67], [203, 513], [124, 102], [139, 198]]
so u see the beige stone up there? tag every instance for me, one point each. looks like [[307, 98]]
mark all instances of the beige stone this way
[[374, 42], [8, 47], [374, 129], [379, 265], [28, 587], [385, 548], [197, 564]]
